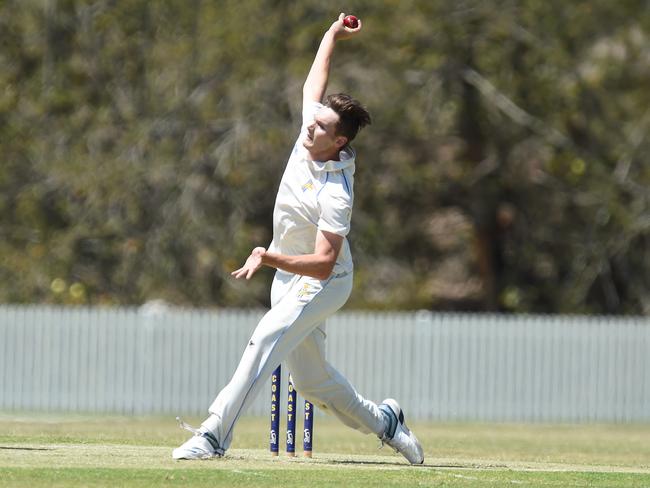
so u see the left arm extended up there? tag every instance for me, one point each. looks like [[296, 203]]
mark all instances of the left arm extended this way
[[318, 265]]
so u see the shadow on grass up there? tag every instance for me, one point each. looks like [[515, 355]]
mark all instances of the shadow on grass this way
[[14, 448], [439, 466]]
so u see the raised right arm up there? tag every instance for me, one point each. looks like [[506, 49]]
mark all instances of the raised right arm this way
[[316, 82]]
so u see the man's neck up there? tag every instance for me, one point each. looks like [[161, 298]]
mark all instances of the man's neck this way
[[325, 156]]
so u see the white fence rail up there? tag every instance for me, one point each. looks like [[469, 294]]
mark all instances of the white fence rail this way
[[440, 366]]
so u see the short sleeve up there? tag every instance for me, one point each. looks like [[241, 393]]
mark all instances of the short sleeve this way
[[309, 112], [335, 215]]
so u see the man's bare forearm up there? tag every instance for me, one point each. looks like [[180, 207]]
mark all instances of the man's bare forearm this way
[[315, 265], [317, 79], [316, 82]]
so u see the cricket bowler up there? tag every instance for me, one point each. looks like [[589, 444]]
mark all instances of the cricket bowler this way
[[313, 278]]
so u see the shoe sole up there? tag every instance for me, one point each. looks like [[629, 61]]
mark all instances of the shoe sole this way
[[193, 457]]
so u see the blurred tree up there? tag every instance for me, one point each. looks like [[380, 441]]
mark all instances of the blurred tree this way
[[505, 169]]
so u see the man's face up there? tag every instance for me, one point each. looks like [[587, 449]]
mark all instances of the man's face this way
[[321, 137]]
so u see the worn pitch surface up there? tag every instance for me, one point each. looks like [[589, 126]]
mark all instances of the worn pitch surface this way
[[110, 451]]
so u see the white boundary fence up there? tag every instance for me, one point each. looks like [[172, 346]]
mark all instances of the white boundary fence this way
[[439, 366]]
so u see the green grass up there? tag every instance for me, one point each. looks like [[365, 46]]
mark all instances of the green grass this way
[[39, 451]]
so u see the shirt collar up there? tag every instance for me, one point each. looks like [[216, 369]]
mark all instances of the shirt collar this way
[[346, 160]]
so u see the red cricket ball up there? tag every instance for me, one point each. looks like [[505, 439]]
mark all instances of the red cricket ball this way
[[351, 21]]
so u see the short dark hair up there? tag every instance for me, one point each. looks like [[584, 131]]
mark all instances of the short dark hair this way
[[352, 115]]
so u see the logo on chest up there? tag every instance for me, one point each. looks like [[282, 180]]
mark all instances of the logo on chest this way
[[309, 186]]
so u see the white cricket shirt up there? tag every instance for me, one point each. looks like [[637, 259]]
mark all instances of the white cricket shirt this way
[[314, 195]]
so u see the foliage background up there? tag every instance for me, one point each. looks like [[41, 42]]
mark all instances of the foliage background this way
[[506, 169]]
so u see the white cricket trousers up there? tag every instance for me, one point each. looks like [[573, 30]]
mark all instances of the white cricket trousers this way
[[293, 331]]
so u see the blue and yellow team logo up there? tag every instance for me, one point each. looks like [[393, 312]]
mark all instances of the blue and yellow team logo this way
[[305, 290], [307, 186]]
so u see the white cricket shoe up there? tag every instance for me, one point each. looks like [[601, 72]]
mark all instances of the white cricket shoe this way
[[202, 445], [397, 435]]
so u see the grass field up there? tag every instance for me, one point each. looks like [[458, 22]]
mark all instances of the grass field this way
[[57, 451]]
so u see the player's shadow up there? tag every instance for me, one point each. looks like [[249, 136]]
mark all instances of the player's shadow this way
[[368, 463], [391, 463], [18, 448]]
